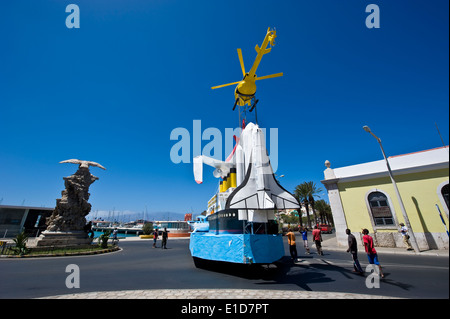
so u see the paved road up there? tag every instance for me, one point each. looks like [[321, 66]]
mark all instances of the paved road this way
[[140, 267]]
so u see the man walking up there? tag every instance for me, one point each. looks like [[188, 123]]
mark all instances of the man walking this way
[[353, 249], [370, 250], [164, 239], [317, 237]]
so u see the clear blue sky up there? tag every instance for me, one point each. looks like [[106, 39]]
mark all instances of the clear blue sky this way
[[113, 90]]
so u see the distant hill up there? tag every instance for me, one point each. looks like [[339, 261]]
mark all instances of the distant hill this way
[[165, 216], [128, 216]]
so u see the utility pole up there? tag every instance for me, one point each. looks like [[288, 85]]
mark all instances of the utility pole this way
[[402, 207]]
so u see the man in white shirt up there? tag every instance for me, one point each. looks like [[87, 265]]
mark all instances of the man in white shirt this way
[[404, 231]]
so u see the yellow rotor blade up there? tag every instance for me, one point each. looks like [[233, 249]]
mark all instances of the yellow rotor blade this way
[[269, 76], [221, 86], [241, 61]]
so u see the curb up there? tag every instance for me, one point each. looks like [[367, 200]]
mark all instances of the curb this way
[[97, 252]]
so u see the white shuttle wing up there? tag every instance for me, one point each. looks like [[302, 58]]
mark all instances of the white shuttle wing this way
[[221, 168]]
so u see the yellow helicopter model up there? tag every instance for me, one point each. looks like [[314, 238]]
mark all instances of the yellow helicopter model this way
[[246, 88]]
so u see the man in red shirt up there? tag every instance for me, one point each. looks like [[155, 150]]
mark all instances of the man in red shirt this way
[[317, 237], [370, 250]]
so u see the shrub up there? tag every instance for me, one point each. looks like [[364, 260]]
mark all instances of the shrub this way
[[147, 229], [21, 244], [103, 239]]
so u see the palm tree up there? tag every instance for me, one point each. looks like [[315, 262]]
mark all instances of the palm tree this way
[[301, 193], [299, 210], [297, 197], [312, 190], [324, 210]]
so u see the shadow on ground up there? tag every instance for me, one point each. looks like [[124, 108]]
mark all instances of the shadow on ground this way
[[285, 271]]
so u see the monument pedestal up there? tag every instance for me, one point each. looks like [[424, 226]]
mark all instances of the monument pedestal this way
[[63, 239]]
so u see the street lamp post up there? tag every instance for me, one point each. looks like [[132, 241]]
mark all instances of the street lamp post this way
[[402, 207]]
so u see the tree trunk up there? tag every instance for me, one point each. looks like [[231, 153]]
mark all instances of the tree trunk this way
[[316, 221], [307, 213]]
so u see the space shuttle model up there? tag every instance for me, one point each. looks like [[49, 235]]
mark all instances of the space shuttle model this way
[[241, 216], [248, 181]]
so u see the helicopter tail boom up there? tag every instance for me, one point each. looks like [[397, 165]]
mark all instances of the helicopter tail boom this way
[[265, 51]]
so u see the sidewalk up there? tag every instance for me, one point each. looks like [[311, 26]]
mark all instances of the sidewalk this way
[[216, 294]]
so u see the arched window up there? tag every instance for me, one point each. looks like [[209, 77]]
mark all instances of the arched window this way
[[379, 207]]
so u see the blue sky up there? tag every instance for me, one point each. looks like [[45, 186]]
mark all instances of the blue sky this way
[[113, 90]]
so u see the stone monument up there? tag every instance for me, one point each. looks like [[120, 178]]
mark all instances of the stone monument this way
[[65, 227]]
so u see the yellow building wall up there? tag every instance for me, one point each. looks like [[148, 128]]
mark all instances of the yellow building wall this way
[[419, 195]]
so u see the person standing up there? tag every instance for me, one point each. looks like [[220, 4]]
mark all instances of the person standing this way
[[114, 236], [370, 250], [304, 232], [164, 238], [317, 237], [155, 237], [88, 229], [353, 249], [292, 245], [404, 231]]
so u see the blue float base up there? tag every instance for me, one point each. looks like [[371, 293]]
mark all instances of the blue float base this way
[[237, 248]]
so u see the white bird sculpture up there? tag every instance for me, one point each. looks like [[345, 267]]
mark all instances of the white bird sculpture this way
[[83, 164]]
